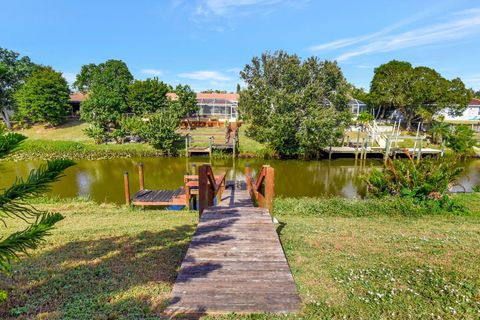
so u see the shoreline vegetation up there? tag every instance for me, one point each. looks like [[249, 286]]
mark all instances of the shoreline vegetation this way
[[68, 141], [356, 259]]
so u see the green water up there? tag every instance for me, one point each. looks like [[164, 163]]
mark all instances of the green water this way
[[102, 180]]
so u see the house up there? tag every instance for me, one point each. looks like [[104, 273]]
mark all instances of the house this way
[[356, 106], [75, 99], [471, 115], [219, 106]]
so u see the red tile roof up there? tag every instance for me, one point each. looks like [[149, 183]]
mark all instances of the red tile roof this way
[[217, 96], [474, 102], [77, 97]]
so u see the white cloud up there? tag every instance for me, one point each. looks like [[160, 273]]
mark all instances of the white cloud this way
[[152, 72], [460, 25], [342, 43], [205, 75], [222, 7], [452, 30]]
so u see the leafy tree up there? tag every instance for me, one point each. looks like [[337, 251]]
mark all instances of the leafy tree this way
[[44, 97], [214, 91], [462, 139], [107, 85], [186, 103], [419, 93], [13, 206], [147, 96], [322, 127], [13, 72], [161, 131], [282, 98]]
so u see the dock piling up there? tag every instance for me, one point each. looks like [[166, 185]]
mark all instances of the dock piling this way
[[126, 185], [141, 176]]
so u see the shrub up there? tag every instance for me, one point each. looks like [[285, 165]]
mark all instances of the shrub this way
[[462, 140], [426, 181], [161, 131], [98, 134]]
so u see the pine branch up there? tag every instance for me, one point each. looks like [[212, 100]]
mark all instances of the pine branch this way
[[9, 143], [25, 240], [12, 200]]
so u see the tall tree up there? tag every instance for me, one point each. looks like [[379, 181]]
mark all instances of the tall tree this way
[[13, 72], [186, 102], [148, 96], [107, 86], [43, 97], [419, 93], [13, 205], [284, 97]]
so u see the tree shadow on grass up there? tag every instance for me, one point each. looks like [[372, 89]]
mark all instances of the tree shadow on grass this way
[[109, 278]]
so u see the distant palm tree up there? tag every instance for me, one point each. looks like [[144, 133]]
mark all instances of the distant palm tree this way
[[439, 131]]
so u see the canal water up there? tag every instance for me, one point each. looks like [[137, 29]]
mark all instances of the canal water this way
[[102, 180]]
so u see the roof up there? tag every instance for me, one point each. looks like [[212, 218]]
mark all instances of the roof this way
[[354, 101], [474, 102], [209, 96], [77, 97]]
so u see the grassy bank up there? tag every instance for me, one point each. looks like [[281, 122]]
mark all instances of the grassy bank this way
[[68, 141], [108, 262]]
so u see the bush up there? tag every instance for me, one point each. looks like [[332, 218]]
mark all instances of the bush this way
[[462, 140], [161, 131], [98, 134], [426, 181]]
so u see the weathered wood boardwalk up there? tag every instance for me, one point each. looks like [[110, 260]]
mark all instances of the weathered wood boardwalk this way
[[235, 263]]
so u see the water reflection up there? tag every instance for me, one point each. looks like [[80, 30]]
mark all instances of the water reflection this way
[[102, 180]]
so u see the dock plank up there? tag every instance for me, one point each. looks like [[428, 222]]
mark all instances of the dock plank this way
[[235, 263]]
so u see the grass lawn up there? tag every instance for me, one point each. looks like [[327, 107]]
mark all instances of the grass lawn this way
[[70, 131], [106, 262]]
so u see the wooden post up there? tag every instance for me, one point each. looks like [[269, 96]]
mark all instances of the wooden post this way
[[248, 173], [126, 186], [194, 169], [202, 188], [141, 176], [210, 146], [330, 153], [186, 145], [269, 188], [234, 147]]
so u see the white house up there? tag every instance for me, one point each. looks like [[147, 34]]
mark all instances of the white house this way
[[471, 114]]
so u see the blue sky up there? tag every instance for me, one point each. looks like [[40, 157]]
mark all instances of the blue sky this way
[[205, 43]]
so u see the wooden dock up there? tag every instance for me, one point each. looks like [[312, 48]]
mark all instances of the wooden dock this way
[[235, 262]]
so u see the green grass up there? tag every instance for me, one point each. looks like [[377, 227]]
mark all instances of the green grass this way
[[69, 141], [107, 262], [70, 131]]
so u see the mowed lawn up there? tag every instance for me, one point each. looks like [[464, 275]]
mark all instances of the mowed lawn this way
[[107, 262]]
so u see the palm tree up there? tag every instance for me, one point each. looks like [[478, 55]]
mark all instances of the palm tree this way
[[439, 131]]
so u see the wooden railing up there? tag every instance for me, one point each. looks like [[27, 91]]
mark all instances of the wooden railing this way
[[263, 189], [209, 187]]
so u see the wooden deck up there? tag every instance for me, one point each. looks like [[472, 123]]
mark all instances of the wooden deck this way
[[235, 263], [159, 197]]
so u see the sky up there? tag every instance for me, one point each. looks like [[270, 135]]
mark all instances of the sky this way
[[205, 43]]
